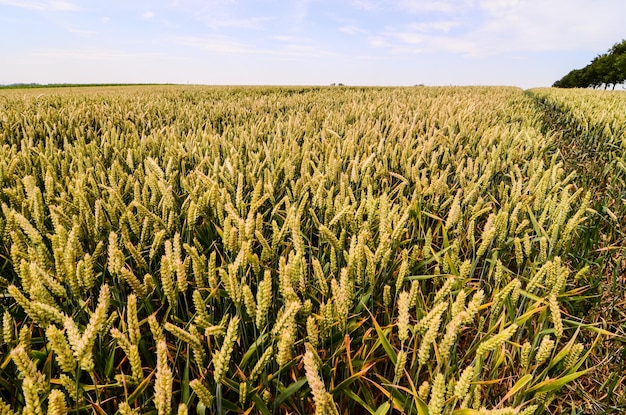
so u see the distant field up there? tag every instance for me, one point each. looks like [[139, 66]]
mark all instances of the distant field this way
[[184, 249], [57, 87]]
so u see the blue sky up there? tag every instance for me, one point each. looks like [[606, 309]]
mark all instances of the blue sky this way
[[525, 43]]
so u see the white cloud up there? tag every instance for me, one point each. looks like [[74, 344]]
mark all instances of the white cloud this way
[[148, 15], [223, 45], [105, 19], [393, 46], [378, 42], [367, 5], [81, 31], [91, 54], [292, 39], [42, 5], [435, 26], [493, 27], [24, 4], [242, 23], [63, 6], [537, 26], [441, 6], [230, 46], [411, 38], [217, 21], [351, 30], [498, 6]]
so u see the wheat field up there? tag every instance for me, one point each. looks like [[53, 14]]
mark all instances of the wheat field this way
[[291, 250]]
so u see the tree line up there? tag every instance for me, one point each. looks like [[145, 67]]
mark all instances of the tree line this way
[[606, 70]]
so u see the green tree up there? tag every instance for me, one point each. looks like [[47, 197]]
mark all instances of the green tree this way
[[606, 70]]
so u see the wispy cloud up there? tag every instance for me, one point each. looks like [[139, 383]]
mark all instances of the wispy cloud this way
[[293, 39], [94, 54], [411, 38], [435, 26], [498, 6], [440, 6], [351, 30], [42, 5], [215, 14], [217, 22], [63, 5], [81, 31], [289, 47], [368, 5], [147, 15], [394, 47], [241, 23], [483, 28], [536, 25], [219, 44]]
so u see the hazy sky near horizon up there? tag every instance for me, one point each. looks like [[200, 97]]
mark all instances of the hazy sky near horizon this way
[[525, 43]]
